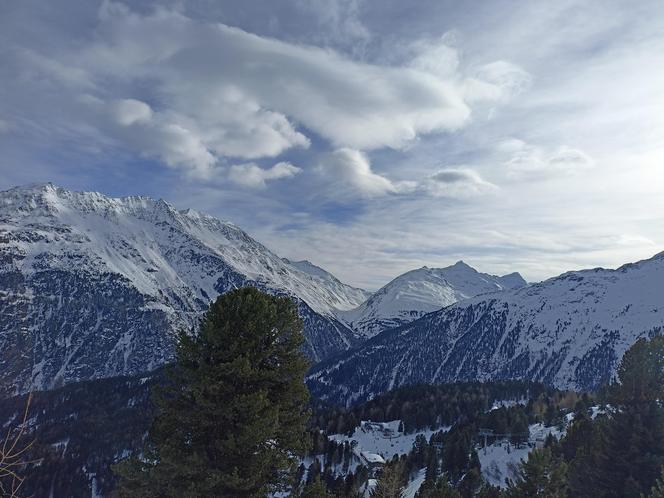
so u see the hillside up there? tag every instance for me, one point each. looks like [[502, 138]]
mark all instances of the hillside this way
[[93, 286], [418, 292], [569, 332]]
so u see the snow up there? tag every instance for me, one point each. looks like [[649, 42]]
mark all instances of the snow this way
[[142, 239], [377, 443], [507, 403], [569, 331], [501, 459], [369, 487], [421, 291], [169, 264], [414, 485], [372, 457]]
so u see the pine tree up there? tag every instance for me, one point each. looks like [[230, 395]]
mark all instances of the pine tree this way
[[441, 489], [581, 447], [541, 476], [314, 489], [390, 483], [419, 452], [631, 450], [432, 465], [231, 421], [470, 483]]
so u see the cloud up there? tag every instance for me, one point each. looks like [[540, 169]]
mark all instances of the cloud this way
[[127, 112], [338, 21], [493, 82], [438, 57], [496, 81], [526, 161], [222, 92], [251, 175], [5, 127], [172, 138], [351, 169], [456, 182]]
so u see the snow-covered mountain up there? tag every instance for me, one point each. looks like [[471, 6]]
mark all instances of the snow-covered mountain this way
[[93, 286], [346, 295], [569, 331], [421, 291]]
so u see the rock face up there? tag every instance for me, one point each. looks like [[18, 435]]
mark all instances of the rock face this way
[[92, 286], [569, 331], [418, 292]]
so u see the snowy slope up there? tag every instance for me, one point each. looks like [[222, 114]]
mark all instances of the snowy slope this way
[[421, 291], [374, 442], [501, 459], [92, 286], [569, 331], [346, 296]]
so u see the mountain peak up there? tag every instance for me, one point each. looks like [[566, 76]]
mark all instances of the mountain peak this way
[[461, 265], [421, 291]]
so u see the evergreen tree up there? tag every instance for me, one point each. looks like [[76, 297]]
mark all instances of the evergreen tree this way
[[441, 489], [470, 483], [630, 449], [390, 483], [581, 447], [432, 465], [231, 421], [541, 476], [519, 428], [419, 452], [314, 489]]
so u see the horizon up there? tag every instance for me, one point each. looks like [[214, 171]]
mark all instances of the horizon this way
[[364, 136], [369, 289]]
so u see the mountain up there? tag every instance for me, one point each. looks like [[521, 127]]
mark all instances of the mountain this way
[[93, 286], [421, 291], [350, 295], [78, 431], [569, 332]]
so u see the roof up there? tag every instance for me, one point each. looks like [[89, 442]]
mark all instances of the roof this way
[[372, 457]]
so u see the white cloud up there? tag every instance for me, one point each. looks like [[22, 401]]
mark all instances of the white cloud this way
[[251, 175], [224, 92], [438, 57], [129, 111], [456, 182], [338, 21], [529, 161], [499, 80], [348, 171], [351, 169], [177, 146], [171, 137]]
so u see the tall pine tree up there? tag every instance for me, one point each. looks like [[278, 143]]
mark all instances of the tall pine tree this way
[[622, 455], [632, 452], [231, 421], [391, 481], [542, 475]]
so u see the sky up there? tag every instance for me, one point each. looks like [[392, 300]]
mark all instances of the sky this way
[[370, 137]]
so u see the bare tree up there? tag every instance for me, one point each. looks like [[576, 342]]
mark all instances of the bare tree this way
[[13, 456]]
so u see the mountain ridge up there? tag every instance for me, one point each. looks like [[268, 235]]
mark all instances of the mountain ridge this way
[[568, 331], [417, 292], [94, 286]]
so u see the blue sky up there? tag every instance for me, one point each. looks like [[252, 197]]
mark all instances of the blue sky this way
[[368, 136]]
